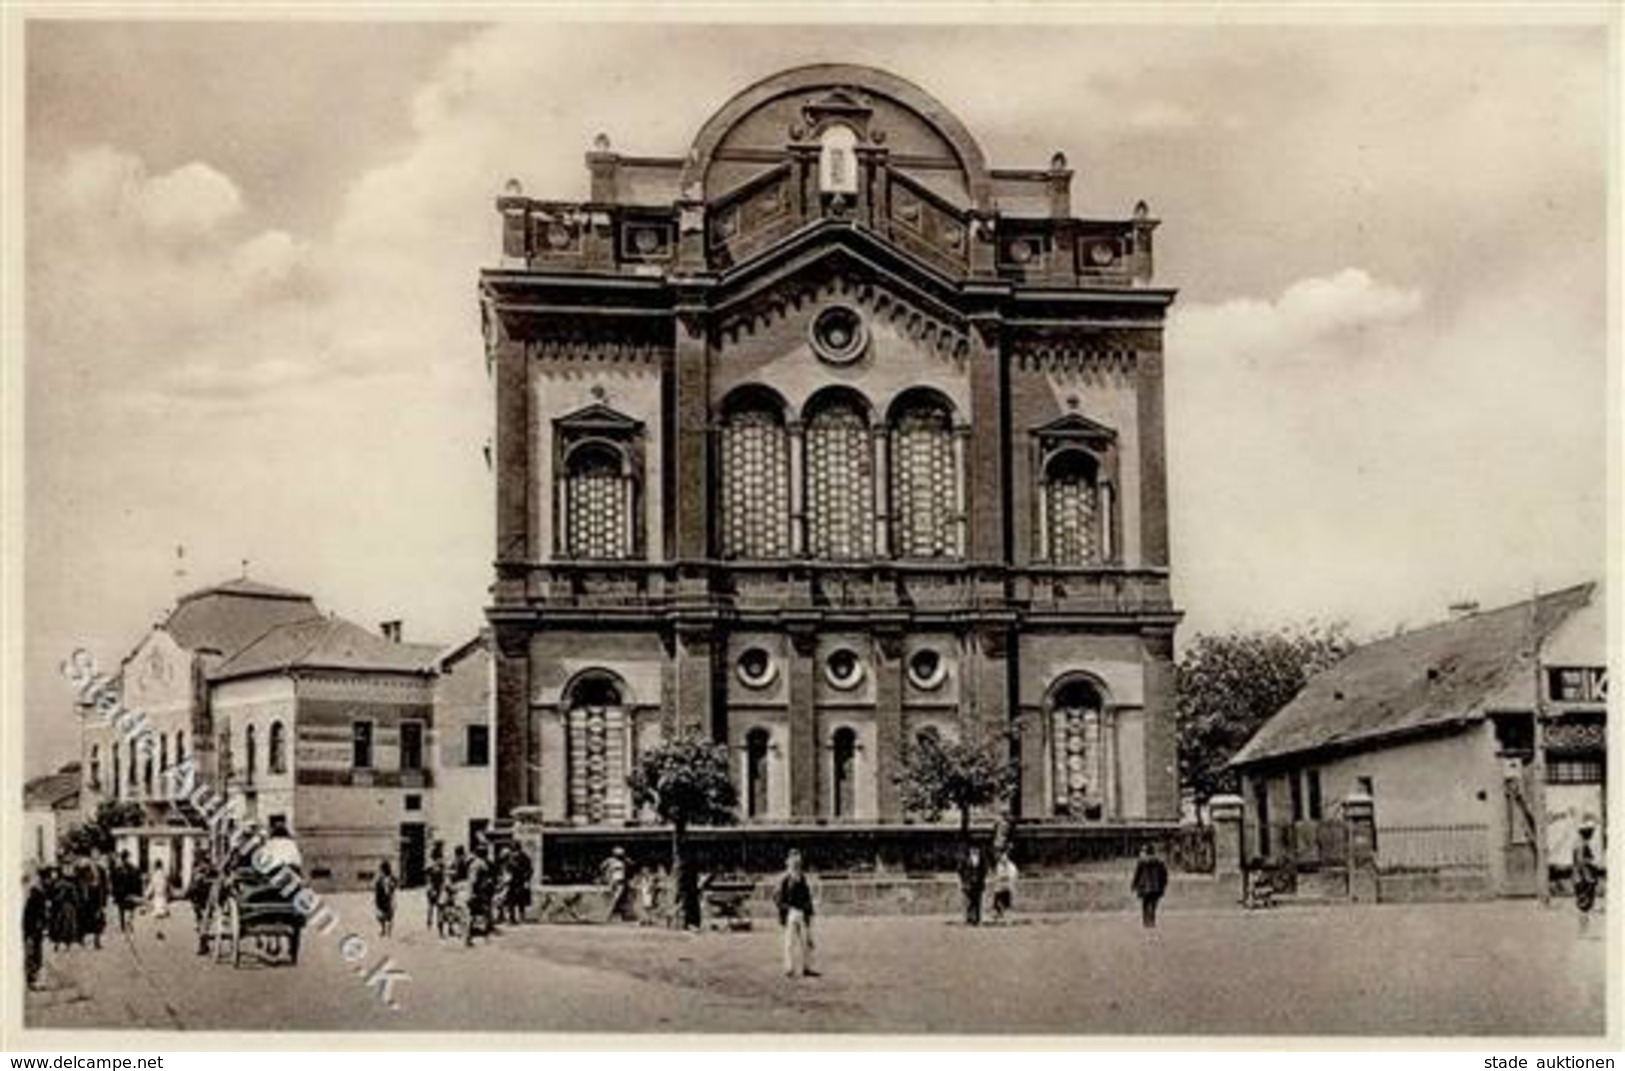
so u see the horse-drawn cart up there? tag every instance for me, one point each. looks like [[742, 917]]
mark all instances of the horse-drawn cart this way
[[247, 910]]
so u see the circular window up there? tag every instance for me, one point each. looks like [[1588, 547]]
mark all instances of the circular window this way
[[756, 668], [927, 669], [839, 335], [844, 670]]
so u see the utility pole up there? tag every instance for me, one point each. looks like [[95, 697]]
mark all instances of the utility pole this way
[[1543, 879]]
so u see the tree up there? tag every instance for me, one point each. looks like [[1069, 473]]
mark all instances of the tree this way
[[685, 781], [959, 775], [1228, 685], [96, 835]]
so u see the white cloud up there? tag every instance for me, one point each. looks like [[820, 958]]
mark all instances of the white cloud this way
[[1308, 318], [1161, 115], [191, 200]]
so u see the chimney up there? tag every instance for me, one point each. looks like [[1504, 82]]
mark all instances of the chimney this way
[[1463, 609], [391, 630]]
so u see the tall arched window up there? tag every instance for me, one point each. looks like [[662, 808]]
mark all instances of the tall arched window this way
[[134, 767], [596, 750], [250, 756], [755, 479], [598, 503], [925, 478], [756, 752], [95, 766], [840, 479], [844, 760], [1078, 744], [180, 746], [118, 785], [163, 752], [278, 760], [1072, 508]]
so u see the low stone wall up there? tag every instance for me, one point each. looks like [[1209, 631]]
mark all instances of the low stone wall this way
[[568, 855], [925, 896], [1434, 886]]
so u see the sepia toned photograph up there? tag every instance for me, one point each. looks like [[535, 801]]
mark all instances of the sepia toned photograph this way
[[788, 525]]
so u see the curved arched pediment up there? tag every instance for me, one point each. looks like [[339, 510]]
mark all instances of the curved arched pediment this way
[[758, 128]]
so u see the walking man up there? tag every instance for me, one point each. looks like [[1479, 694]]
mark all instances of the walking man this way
[[793, 898], [1150, 882], [36, 918], [972, 881], [126, 889], [434, 883]]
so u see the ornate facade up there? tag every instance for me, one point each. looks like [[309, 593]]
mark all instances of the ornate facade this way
[[818, 438]]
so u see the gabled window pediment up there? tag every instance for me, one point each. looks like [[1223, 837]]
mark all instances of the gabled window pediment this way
[[1076, 429], [600, 419]]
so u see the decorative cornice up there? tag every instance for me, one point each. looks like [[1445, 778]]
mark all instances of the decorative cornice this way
[[924, 328]]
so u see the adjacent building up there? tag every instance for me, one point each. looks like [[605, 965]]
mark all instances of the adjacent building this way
[[290, 712], [50, 805], [1476, 738], [819, 437]]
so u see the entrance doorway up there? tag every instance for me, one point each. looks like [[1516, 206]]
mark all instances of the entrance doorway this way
[[414, 853]]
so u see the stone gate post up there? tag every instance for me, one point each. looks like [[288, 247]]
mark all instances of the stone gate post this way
[[1359, 813]]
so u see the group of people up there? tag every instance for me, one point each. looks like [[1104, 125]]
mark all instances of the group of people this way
[[487, 885], [640, 895], [975, 876], [68, 905]]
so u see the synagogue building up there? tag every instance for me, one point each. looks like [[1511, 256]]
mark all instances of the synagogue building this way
[[820, 437]]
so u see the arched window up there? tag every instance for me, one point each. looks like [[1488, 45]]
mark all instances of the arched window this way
[[251, 759], [1072, 508], [278, 761], [1079, 748], [95, 766], [755, 480], [146, 775], [844, 749], [118, 785], [840, 480], [596, 750], [925, 479], [598, 505], [180, 746], [838, 161], [163, 752], [134, 767], [756, 775]]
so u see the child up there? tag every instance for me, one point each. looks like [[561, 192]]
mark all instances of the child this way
[[383, 898]]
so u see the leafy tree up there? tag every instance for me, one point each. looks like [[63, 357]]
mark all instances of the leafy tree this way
[[96, 835], [959, 775], [685, 781], [1229, 684]]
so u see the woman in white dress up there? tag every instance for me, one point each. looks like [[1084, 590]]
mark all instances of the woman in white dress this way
[[158, 891]]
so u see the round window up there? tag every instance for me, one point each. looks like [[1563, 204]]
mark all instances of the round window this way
[[756, 668], [927, 669], [844, 670], [839, 335]]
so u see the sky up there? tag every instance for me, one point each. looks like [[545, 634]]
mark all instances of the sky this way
[[252, 255]]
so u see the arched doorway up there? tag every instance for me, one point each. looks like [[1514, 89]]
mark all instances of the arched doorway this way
[[757, 743], [596, 749], [844, 749]]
